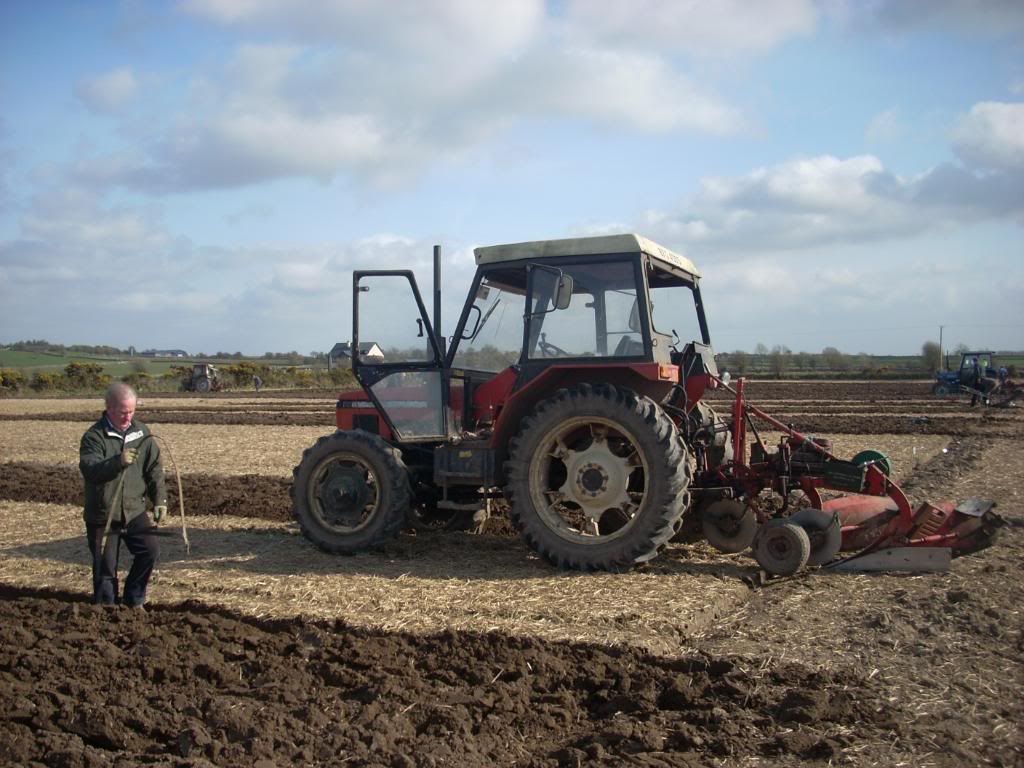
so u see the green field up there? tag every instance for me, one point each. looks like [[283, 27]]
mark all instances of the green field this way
[[116, 367], [47, 362]]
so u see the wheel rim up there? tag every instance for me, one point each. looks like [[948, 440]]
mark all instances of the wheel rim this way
[[588, 479], [344, 492], [876, 457], [780, 545], [729, 525], [782, 549]]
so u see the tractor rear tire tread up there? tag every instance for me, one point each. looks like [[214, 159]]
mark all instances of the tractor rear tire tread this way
[[395, 489], [661, 511]]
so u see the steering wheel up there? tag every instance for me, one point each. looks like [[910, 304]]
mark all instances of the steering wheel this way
[[550, 350]]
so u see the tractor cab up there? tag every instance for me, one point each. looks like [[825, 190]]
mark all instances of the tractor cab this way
[[539, 316]]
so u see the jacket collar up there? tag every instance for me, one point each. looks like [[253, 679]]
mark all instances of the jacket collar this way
[[110, 429]]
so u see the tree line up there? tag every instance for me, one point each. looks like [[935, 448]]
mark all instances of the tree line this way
[[89, 378], [42, 346]]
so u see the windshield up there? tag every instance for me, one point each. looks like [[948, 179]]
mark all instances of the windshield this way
[[601, 319], [494, 329]]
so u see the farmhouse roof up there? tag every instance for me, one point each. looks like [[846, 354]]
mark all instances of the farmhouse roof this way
[[344, 348]]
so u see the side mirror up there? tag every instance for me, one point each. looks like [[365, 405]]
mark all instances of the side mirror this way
[[550, 288], [563, 292], [466, 332], [726, 378], [634, 317]]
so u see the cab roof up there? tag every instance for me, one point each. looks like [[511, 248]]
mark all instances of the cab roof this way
[[584, 246]]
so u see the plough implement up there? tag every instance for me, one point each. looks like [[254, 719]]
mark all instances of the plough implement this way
[[800, 504]]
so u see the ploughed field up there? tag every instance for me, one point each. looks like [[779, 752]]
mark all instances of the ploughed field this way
[[462, 649]]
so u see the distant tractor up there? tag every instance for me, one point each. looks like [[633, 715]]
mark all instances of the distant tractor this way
[[571, 389], [982, 378], [203, 378], [973, 365]]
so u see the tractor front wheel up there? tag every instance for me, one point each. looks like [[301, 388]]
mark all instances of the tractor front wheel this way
[[350, 492], [598, 478]]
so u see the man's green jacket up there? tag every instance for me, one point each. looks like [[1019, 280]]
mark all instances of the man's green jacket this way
[[99, 459]]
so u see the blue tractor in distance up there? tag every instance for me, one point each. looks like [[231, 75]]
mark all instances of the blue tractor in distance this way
[[974, 368]]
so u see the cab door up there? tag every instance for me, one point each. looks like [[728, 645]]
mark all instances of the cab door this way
[[396, 355]]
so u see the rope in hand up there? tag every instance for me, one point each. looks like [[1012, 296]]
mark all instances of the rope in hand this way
[[181, 494], [120, 489]]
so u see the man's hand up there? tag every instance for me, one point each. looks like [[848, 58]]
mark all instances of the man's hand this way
[[158, 512], [128, 456]]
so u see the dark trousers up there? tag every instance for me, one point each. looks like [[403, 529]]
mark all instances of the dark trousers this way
[[144, 548]]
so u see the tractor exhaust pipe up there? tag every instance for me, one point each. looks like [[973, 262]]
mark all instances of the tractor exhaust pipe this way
[[437, 301]]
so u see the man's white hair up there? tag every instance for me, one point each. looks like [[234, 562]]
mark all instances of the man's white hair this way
[[119, 392]]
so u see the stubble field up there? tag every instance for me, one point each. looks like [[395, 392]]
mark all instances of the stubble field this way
[[459, 649]]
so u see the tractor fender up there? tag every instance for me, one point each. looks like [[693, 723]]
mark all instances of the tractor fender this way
[[524, 399]]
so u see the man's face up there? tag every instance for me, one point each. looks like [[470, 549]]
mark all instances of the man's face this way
[[121, 412]]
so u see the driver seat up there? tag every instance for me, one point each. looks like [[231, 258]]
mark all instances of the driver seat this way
[[628, 347]]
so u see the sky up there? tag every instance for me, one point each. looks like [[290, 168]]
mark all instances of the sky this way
[[206, 174]]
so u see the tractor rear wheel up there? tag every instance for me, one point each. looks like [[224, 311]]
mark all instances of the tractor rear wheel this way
[[203, 385], [598, 478], [350, 492]]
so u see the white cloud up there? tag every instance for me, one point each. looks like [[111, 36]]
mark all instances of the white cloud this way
[[461, 35], [74, 222], [383, 91], [992, 18], [885, 127], [307, 277], [708, 27], [827, 200], [108, 92], [991, 136], [631, 89], [810, 202]]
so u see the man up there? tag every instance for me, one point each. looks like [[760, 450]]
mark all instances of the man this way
[[121, 467], [976, 382]]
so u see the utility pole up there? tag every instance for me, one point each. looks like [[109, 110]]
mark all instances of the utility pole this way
[[941, 366]]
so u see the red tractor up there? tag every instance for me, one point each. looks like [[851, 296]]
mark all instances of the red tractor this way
[[571, 388]]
